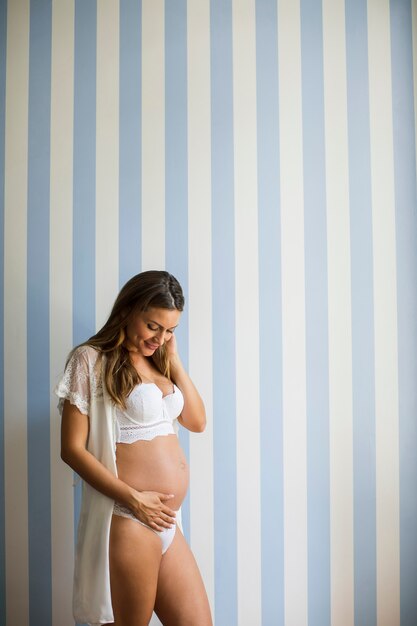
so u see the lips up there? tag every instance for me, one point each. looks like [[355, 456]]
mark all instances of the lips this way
[[150, 346]]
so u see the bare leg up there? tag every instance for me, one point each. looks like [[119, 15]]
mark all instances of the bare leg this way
[[135, 554], [181, 599]]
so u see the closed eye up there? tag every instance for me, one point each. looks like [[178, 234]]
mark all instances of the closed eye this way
[[157, 328]]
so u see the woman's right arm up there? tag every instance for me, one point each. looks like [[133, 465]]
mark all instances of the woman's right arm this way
[[74, 434], [145, 505]]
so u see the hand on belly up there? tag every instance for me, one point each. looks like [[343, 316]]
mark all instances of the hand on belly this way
[[156, 465]]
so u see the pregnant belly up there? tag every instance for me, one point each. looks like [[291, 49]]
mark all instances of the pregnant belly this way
[[156, 465]]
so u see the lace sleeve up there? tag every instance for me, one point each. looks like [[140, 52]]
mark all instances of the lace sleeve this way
[[75, 384]]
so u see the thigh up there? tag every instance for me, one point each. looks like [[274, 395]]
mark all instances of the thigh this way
[[181, 598], [135, 556]]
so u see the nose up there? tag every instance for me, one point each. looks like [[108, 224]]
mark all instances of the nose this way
[[160, 336]]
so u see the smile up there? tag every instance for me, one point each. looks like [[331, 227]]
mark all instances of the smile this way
[[150, 346]]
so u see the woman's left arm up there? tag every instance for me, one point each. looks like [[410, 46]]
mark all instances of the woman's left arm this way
[[193, 415]]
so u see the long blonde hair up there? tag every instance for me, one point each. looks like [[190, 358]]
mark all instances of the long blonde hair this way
[[158, 289]]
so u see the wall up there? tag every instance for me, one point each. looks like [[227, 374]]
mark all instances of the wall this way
[[263, 152]]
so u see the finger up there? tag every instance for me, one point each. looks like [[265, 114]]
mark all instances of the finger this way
[[156, 526], [165, 496], [166, 518], [165, 525], [161, 525], [167, 510]]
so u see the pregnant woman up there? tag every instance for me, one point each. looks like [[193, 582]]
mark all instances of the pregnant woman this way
[[121, 397]]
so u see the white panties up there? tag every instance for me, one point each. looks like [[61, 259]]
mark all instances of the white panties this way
[[166, 535]]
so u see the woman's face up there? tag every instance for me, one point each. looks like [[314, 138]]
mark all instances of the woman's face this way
[[150, 329]]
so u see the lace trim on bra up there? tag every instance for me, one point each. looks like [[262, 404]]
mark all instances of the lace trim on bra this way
[[137, 432]]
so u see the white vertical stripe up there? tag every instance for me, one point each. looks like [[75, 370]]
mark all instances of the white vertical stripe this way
[[153, 141], [15, 345], [153, 135], [199, 283], [62, 80], [247, 314], [385, 315], [340, 321], [107, 159], [293, 314], [414, 34]]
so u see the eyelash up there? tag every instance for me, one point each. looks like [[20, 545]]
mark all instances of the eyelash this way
[[155, 329]]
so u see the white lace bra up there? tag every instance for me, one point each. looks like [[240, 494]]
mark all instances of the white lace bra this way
[[148, 413]]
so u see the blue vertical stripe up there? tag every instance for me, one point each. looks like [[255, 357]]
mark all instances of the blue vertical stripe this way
[[317, 344], [406, 232], [3, 44], [38, 378], [84, 211], [176, 179], [362, 314], [84, 227], [223, 303], [130, 125], [270, 315]]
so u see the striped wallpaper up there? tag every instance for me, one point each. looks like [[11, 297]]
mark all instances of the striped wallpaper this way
[[263, 151]]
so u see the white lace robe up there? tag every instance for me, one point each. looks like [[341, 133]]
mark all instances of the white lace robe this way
[[82, 384]]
